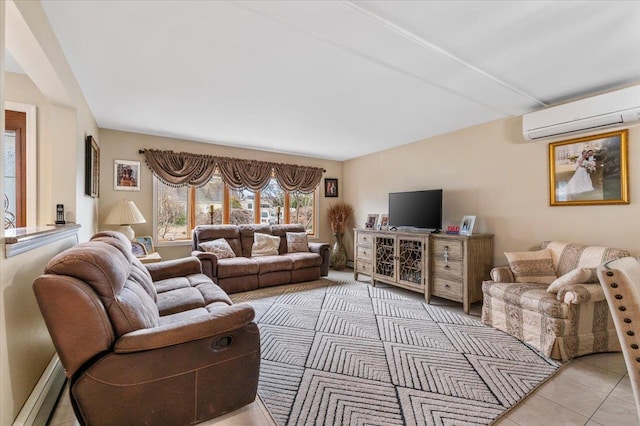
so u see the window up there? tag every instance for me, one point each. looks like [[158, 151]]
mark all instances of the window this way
[[179, 210], [15, 165]]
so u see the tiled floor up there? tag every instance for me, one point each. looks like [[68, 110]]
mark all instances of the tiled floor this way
[[590, 390]]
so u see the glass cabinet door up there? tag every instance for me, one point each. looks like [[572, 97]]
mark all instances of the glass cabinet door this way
[[384, 257], [410, 261]]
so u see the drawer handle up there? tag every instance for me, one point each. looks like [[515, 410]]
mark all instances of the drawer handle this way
[[447, 267], [447, 285]]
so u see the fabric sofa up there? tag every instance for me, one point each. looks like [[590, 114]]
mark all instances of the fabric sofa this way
[[244, 271], [154, 344], [552, 300]]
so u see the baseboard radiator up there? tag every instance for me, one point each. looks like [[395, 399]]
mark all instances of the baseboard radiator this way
[[43, 398]]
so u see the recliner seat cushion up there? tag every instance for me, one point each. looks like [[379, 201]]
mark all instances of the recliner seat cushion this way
[[237, 267], [273, 263], [304, 260]]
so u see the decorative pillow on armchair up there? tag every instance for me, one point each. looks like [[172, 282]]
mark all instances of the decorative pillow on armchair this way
[[219, 247], [297, 242], [264, 245], [576, 276], [532, 266]]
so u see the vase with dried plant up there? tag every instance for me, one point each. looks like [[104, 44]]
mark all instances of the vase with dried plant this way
[[339, 215]]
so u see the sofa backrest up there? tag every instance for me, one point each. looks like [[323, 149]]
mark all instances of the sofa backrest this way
[[93, 293], [240, 237], [567, 257]]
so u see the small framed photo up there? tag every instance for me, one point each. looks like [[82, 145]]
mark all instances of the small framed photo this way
[[466, 226], [372, 221], [330, 187], [138, 249], [147, 242], [384, 221], [126, 175]]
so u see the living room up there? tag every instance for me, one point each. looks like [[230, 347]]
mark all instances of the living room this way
[[487, 169]]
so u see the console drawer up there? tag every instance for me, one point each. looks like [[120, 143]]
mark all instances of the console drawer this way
[[364, 239], [363, 267], [364, 253], [450, 268], [452, 247], [448, 289]]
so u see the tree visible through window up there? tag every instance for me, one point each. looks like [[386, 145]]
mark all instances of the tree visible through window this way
[[179, 210]]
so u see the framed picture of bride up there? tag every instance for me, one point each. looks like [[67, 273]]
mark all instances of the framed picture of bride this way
[[589, 170]]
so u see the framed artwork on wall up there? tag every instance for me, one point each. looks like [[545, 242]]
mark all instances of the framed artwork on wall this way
[[466, 225], [590, 170], [91, 167], [330, 187], [126, 175]]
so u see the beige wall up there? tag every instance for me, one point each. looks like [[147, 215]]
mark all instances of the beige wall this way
[[491, 172], [25, 346], [124, 146]]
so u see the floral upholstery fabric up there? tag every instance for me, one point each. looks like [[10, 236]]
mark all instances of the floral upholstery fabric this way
[[575, 321]]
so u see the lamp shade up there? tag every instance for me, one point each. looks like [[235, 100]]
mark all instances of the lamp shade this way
[[125, 213]]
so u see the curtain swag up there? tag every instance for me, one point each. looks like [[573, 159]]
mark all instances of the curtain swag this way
[[182, 168]]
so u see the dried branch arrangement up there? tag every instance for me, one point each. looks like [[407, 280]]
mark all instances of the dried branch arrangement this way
[[339, 216]]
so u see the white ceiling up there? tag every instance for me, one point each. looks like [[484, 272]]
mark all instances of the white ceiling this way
[[338, 79]]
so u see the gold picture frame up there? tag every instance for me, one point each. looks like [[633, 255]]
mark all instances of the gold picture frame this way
[[590, 170]]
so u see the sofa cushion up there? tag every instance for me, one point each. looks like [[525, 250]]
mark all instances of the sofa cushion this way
[[576, 276], [529, 296], [247, 231], [273, 263], [219, 247], [297, 242], [532, 266], [567, 257], [237, 267], [304, 260], [182, 299], [264, 245]]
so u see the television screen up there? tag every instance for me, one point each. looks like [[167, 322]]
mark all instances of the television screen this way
[[416, 209]]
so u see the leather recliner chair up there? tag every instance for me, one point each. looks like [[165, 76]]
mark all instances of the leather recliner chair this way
[[160, 344]]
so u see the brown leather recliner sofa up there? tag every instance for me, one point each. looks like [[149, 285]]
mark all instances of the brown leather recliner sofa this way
[[146, 344], [244, 272]]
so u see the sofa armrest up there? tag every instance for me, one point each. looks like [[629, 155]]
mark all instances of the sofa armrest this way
[[324, 250], [221, 321], [502, 274], [209, 263], [174, 268], [581, 293]]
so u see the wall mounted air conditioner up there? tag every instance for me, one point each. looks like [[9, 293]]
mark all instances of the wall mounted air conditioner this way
[[606, 110]]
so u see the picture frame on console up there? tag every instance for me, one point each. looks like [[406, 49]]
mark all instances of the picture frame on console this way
[[590, 170], [384, 221], [466, 225], [372, 221]]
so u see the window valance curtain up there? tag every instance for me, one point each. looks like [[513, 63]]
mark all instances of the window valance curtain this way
[[182, 168]]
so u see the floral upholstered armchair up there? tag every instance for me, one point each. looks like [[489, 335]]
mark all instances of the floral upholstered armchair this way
[[551, 299]]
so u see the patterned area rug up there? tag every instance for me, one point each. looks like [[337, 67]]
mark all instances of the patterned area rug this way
[[347, 353]]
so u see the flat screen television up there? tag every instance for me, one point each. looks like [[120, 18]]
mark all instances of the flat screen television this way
[[416, 209]]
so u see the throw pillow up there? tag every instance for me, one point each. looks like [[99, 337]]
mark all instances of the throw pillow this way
[[576, 276], [532, 266], [264, 245], [297, 242], [219, 247]]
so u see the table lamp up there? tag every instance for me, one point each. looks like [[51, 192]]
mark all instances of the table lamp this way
[[125, 213]]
